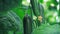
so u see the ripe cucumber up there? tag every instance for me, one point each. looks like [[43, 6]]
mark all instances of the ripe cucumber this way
[[38, 10], [34, 4], [27, 24], [17, 22], [41, 11], [10, 22]]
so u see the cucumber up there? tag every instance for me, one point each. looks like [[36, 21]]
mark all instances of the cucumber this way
[[17, 26], [10, 22], [27, 24], [34, 4], [41, 11], [38, 10]]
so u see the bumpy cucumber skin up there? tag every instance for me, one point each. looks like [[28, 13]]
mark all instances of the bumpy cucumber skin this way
[[27, 24], [38, 10], [41, 11], [17, 21], [10, 22], [35, 8]]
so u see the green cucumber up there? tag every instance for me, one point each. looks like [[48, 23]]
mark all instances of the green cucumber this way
[[10, 22], [38, 10], [27, 24], [17, 26], [34, 4], [41, 11]]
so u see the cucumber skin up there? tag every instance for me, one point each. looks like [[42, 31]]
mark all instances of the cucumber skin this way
[[35, 8], [38, 10], [27, 24]]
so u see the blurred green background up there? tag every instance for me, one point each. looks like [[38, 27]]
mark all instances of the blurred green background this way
[[51, 12]]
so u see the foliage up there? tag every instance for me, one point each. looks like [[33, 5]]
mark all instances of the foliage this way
[[47, 29], [9, 4]]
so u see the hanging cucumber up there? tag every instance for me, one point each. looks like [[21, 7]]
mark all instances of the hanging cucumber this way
[[34, 4], [27, 24], [41, 11], [9, 22], [38, 10], [18, 25]]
